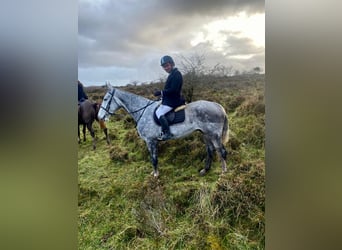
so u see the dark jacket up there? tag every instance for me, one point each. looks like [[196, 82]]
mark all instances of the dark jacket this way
[[81, 94], [172, 91]]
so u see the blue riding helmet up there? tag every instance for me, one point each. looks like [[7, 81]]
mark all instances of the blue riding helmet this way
[[166, 59]]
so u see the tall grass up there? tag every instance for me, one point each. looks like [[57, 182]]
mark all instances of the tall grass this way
[[121, 206]]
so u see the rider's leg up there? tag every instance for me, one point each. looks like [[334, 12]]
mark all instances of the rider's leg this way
[[160, 113], [165, 128]]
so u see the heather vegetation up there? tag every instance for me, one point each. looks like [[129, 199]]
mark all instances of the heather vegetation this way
[[122, 206]]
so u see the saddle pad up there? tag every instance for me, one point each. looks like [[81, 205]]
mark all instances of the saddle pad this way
[[172, 117]]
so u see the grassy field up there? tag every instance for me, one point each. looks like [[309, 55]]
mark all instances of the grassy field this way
[[122, 206]]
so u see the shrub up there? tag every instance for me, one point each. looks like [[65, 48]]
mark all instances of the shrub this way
[[235, 102]]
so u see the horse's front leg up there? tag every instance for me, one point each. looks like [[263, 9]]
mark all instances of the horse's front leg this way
[[92, 133], [105, 131], [152, 146], [79, 136], [84, 132]]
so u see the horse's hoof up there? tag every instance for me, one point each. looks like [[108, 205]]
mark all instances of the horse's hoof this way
[[155, 174], [203, 172]]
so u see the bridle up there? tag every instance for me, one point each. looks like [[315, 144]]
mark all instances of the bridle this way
[[110, 101], [143, 108]]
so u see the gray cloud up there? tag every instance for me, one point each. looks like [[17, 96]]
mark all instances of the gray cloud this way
[[128, 34], [214, 7]]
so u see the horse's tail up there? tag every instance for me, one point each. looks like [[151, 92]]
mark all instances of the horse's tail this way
[[225, 130]]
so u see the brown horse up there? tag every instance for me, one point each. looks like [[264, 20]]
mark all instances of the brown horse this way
[[87, 113]]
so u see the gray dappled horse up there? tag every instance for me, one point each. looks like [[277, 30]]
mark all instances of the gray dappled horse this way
[[208, 117], [87, 113]]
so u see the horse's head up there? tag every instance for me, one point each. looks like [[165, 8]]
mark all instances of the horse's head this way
[[109, 105]]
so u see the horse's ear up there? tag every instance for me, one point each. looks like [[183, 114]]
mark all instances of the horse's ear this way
[[109, 86]]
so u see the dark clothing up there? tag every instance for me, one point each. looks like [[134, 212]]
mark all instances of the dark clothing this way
[[81, 94], [166, 135], [172, 90]]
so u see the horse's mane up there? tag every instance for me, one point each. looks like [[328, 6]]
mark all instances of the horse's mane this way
[[133, 95]]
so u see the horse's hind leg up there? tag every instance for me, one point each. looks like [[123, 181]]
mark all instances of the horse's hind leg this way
[[210, 153], [92, 133], [222, 153]]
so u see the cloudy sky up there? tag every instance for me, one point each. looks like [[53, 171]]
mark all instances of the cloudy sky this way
[[122, 41]]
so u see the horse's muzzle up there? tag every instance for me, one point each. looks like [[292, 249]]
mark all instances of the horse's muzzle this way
[[101, 118]]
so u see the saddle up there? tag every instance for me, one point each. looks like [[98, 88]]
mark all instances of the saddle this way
[[174, 116]]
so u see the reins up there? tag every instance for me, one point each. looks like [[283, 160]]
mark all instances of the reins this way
[[143, 108], [133, 112]]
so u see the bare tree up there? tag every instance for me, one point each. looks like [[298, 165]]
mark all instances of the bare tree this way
[[193, 68], [195, 72], [221, 70]]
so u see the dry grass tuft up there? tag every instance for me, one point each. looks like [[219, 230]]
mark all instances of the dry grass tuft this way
[[118, 154]]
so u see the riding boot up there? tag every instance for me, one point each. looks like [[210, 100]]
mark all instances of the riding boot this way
[[166, 135]]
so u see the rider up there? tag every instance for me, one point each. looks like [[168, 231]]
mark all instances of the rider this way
[[171, 95], [82, 96]]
